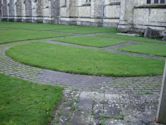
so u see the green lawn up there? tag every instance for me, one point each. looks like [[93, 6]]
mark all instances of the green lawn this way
[[95, 41], [57, 28], [13, 35], [127, 38], [83, 61], [148, 48], [12, 32], [25, 103], [104, 39]]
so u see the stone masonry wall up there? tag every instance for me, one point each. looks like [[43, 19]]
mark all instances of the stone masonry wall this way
[[19, 8], [123, 14]]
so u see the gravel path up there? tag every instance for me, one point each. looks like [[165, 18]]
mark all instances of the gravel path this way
[[93, 100]]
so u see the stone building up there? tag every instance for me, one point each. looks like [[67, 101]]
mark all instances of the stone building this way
[[124, 14]]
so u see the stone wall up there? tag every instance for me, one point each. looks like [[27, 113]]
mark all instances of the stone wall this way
[[124, 14], [149, 17], [112, 12]]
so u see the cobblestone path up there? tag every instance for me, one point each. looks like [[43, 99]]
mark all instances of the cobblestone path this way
[[93, 100]]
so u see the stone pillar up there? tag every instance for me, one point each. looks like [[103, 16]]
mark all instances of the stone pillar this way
[[5, 9], [73, 8], [46, 11], [34, 10], [72, 11], [28, 10], [18, 10], [126, 15], [23, 10], [161, 114], [97, 12], [55, 11], [15, 11], [11, 10], [40, 11]]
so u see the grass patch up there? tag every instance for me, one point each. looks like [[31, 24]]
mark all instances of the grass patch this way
[[95, 41], [104, 39], [84, 61], [158, 49], [13, 35], [25, 103], [57, 28], [128, 38]]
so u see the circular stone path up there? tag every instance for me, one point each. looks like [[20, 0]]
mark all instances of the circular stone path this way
[[93, 100]]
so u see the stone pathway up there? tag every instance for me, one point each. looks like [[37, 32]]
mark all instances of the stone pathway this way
[[93, 100], [124, 101]]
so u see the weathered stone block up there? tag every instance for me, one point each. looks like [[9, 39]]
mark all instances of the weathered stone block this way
[[152, 33], [164, 36]]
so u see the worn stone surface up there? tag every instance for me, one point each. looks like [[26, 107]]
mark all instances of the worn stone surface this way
[[116, 107]]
